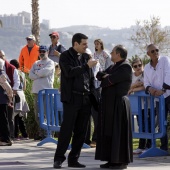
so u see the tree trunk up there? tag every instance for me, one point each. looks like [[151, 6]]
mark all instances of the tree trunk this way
[[35, 20]]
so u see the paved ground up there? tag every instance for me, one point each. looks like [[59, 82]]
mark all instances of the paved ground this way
[[26, 155]]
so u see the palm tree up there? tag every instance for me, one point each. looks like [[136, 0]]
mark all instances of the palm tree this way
[[0, 23], [35, 20]]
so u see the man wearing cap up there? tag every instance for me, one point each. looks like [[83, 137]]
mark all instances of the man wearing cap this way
[[42, 74], [29, 54], [55, 48]]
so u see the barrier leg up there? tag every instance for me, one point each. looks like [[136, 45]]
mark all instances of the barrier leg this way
[[47, 140], [152, 152], [85, 146]]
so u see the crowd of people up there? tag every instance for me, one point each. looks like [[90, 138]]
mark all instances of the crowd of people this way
[[93, 86]]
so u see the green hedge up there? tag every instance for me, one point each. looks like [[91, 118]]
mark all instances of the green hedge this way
[[30, 121]]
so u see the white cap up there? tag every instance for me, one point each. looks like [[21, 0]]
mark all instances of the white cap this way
[[1, 63], [31, 37]]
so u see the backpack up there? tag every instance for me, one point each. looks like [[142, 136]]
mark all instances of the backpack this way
[[57, 48]]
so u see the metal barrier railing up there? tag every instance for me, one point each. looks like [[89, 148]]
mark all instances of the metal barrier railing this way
[[51, 114], [138, 101]]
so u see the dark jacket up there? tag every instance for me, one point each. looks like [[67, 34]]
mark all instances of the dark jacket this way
[[70, 69], [10, 72]]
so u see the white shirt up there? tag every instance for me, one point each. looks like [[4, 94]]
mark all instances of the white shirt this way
[[42, 74], [156, 77], [104, 62], [141, 79], [137, 78]]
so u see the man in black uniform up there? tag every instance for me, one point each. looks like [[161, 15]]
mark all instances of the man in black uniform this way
[[114, 133], [76, 94]]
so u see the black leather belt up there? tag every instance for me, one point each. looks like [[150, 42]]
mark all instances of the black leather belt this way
[[81, 93]]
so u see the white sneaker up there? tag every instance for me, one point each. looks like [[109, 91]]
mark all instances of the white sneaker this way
[[138, 151]]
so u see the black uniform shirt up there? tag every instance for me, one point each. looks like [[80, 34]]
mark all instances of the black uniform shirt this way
[[81, 82]]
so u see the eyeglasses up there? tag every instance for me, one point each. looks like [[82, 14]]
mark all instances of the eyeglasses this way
[[53, 37], [152, 51], [42, 51], [139, 65], [28, 39]]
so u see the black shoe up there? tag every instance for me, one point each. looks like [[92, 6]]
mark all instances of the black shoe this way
[[119, 166], [8, 143], [106, 165], [76, 165], [57, 164]]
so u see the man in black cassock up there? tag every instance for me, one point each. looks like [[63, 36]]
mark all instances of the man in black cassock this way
[[77, 95], [114, 139]]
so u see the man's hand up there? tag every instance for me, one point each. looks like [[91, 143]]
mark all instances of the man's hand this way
[[139, 83], [14, 92], [152, 91], [56, 53], [158, 93], [91, 63], [130, 91]]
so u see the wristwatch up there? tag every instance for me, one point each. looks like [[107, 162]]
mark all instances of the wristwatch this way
[[164, 90]]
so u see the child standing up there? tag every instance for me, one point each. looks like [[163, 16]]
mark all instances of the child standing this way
[[21, 107]]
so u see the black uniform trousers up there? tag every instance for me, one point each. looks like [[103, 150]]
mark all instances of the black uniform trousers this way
[[4, 130], [75, 119], [94, 115]]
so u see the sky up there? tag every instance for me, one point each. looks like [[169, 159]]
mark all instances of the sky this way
[[114, 14]]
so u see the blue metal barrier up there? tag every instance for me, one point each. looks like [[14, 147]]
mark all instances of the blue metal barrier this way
[[51, 114], [148, 101]]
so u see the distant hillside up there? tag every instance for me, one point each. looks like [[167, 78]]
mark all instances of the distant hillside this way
[[12, 40], [109, 36]]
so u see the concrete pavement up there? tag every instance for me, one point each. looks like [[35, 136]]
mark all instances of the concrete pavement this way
[[25, 155]]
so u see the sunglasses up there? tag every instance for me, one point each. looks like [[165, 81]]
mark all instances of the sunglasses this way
[[53, 37], [139, 65], [42, 51], [28, 39], [152, 51]]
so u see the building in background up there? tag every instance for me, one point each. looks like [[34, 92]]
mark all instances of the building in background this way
[[20, 20], [46, 23]]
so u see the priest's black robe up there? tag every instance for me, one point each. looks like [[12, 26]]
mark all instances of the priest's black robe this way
[[114, 133]]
